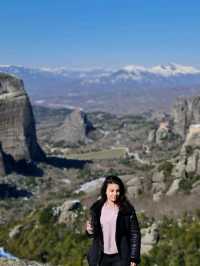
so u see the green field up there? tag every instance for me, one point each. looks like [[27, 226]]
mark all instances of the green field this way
[[100, 155]]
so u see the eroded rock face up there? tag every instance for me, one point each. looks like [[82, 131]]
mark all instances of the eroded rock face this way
[[186, 112], [17, 125], [180, 115], [74, 130]]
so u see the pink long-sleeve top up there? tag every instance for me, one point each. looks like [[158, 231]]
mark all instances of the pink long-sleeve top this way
[[108, 221]]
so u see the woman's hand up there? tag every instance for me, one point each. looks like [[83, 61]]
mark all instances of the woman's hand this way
[[133, 264], [89, 227]]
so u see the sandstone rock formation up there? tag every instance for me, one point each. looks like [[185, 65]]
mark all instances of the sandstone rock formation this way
[[74, 130], [186, 112], [17, 126], [189, 158]]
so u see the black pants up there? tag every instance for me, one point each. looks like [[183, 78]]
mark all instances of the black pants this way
[[110, 260]]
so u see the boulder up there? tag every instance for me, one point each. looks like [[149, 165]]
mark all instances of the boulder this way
[[15, 231], [152, 136], [150, 237], [17, 125], [91, 187], [67, 211]]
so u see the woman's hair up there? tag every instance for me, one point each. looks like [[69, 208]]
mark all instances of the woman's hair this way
[[112, 179]]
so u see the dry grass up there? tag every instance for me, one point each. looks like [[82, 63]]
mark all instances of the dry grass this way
[[100, 155]]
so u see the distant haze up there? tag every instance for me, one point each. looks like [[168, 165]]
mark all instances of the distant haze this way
[[130, 89]]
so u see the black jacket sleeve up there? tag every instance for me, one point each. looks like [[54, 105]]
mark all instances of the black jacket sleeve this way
[[135, 238]]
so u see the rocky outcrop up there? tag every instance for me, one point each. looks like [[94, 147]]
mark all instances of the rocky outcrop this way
[[186, 112], [91, 187], [163, 136], [180, 115], [74, 130], [158, 185], [67, 212], [135, 186], [189, 158], [152, 136], [150, 237], [175, 186], [17, 125]]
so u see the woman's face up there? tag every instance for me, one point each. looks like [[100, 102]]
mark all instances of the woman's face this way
[[112, 192]]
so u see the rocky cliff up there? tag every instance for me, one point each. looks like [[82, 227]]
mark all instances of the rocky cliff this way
[[17, 125], [186, 112], [74, 130]]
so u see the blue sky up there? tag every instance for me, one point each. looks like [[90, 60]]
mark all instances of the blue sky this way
[[99, 33]]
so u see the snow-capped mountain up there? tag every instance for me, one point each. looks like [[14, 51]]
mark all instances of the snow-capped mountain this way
[[124, 74], [99, 88]]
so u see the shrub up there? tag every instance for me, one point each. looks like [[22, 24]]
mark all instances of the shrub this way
[[166, 167]]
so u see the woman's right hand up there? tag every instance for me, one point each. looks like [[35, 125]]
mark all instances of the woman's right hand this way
[[89, 227]]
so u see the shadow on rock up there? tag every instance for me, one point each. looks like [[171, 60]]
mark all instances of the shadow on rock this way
[[66, 163], [23, 167], [10, 191], [28, 168]]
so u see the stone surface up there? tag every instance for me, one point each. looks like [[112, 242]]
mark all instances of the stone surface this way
[[162, 134], [91, 187], [186, 111], [67, 211], [180, 116], [158, 185], [174, 187], [158, 177], [150, 237], [15, 231], [157, 196], [196, 187], [192, 162], [17, 125], [152, 136], [74, 130], [135, 186]]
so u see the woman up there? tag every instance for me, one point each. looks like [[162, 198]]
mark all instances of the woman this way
[[113, 227]]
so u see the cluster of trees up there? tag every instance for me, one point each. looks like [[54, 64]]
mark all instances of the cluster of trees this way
[[179, 243], [41, 238]]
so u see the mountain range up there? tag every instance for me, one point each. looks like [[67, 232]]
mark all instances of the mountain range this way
[[124, 90]]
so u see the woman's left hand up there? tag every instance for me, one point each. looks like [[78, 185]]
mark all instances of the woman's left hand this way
[[133, 264]]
